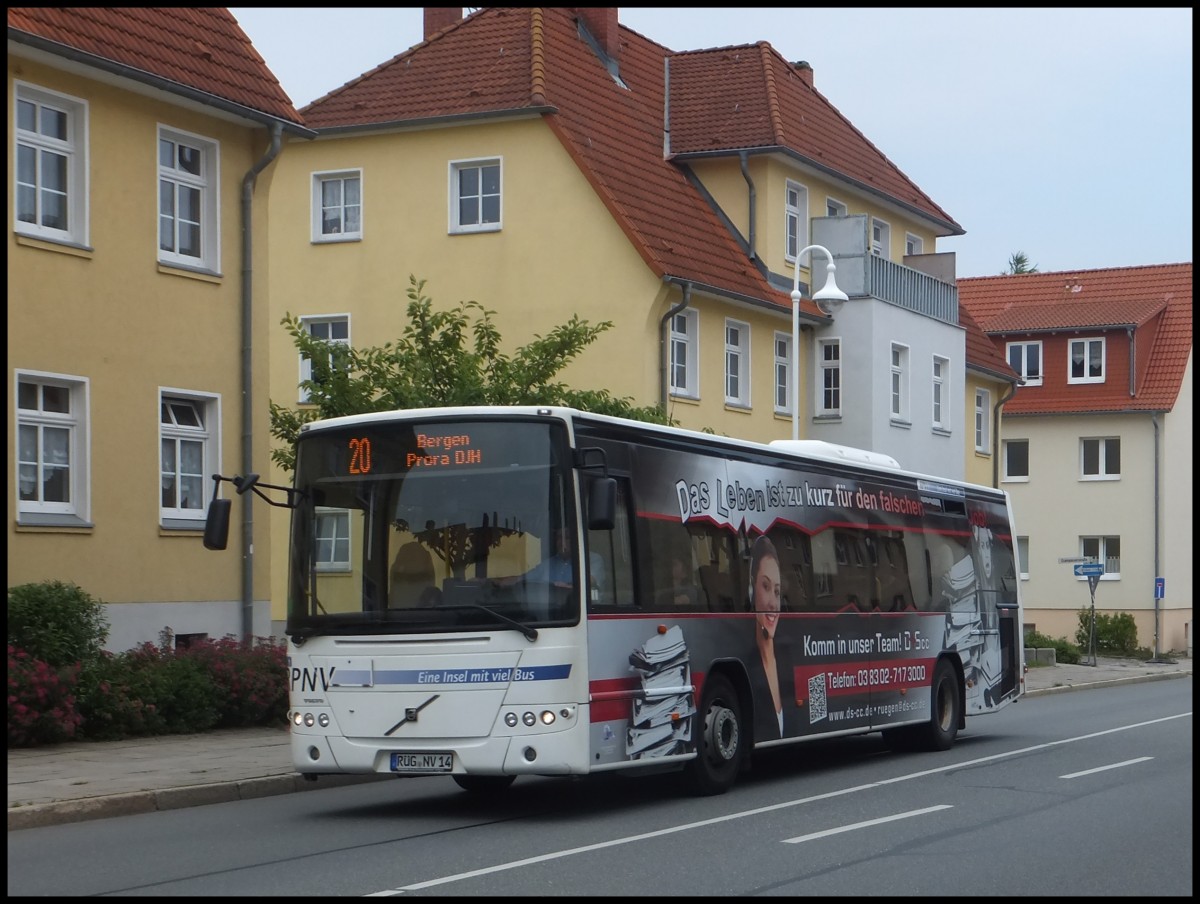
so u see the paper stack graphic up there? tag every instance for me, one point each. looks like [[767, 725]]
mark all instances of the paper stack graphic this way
[[661, 722]]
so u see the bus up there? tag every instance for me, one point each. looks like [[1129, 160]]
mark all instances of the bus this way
[[491, 592]]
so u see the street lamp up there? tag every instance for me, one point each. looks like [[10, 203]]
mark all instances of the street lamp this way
[[828, 299]]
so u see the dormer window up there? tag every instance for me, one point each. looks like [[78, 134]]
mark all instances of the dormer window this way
[[1086, 361], [1026, 359]]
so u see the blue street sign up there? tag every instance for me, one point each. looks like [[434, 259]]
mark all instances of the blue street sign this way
[[1160, 588], [1089, 568]]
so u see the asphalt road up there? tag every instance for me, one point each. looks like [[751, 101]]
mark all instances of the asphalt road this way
[[1086, 793]]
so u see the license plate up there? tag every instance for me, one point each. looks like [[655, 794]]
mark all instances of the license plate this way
[[422, 762]]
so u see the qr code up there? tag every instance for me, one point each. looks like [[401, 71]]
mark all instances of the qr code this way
[[817, 704]]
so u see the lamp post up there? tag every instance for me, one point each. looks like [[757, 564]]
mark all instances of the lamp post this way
[[828, 299]]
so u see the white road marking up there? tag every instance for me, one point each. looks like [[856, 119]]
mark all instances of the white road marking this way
[[867, 824], [729, 817], [1140, 759]]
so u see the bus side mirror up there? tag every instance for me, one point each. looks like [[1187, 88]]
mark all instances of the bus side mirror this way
[[602, 503], [216, 525]]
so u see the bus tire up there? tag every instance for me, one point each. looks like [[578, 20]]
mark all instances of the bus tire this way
[[945, 709], [484, 784], [721, 739]]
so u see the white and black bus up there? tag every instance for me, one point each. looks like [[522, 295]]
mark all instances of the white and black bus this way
[[488, 592]]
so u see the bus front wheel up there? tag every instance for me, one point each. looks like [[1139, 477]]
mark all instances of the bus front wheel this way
[[483, 784], [721, 739]]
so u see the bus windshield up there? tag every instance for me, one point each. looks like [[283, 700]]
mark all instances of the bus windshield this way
[[431, 527]]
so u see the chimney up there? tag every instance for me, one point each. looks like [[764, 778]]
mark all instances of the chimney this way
[[804, 70], [437, 18], [602, 23]]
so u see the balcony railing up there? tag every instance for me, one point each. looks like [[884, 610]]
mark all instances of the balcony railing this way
[[911, 289]]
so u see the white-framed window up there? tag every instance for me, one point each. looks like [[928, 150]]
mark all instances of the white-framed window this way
[[1106, 550], [737, 363], [1016, 460], [1085, 362], [188, 428], [783, 372], [53, 452], [829, 377], [333, 328], [332, 552], [881, 238], [899, 382], [835, 208], [983, 420], [685, 358], [188, 200], [941, 393], [50, 165], [337, 206], [913, 244], [1023, 558], [795, 208], [1026, 359], [1100, 458], [475, 195]]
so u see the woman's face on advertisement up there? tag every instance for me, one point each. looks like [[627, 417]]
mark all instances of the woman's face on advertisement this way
[[767, 594]]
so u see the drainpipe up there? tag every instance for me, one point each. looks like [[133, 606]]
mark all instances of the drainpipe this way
[[1012, 391], [1132, 363], [664, 346], [1154, 422], [743, 159], [276, 132]]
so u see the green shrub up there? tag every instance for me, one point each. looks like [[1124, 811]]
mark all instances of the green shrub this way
[[1115, 634], [146, 691], [56, 622], [105, 699], [1064, 651]]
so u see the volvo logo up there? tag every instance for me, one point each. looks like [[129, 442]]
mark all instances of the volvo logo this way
[[411, 713]]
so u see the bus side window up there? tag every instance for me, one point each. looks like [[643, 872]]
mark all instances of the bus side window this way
[[615, 557], [718, 588]]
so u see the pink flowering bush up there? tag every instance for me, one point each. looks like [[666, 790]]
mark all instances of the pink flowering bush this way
[[41, 701], [251, 679], [63, 685]]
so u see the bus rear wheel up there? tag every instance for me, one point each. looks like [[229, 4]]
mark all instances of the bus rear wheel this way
[[483, 784], [945, 714], [945, 709], [721, 740]]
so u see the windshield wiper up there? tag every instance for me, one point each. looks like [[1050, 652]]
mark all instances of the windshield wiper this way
[[530, 633]]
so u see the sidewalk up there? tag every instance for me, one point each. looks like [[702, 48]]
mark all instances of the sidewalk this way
[[73, 782]]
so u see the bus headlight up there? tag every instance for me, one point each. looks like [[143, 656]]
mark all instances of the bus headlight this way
[[510, 719], [547, 717]]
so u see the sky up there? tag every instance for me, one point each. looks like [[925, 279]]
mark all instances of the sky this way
[[1065, 135]]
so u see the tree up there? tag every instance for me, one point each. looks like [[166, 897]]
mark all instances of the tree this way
[[449, 357], [1019, 263]]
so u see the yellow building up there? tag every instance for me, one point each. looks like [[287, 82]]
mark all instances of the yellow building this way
[[136, 250], [549, 162], [542, 162]]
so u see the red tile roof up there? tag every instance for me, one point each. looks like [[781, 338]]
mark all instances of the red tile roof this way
[[503, 59], [202, 48], [1155, 302], [981, 352], [749, 98]]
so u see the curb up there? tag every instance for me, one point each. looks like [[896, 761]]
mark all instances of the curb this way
[[136, 802], [1107, 682]]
